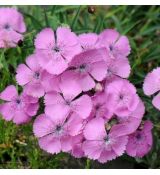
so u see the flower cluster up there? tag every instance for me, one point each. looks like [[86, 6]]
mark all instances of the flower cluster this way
[[90, 108]]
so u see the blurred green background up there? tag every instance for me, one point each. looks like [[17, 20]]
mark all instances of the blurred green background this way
[[141, 24]]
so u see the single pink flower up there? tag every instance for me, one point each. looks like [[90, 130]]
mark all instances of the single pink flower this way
[[11, 27], [122, 97], [140, 142], [19, 108], [101, 145], [69, 99], [117, 45], [58, 48], [88, 67], [152, 85], [55, 134], [31, 76], [88, 41]]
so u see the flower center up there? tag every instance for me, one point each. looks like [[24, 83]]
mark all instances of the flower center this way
[[111, 47], [68, 102], [36, 75], [56, 49], [138, 136], [121, 96], [82, 67], [18, 101], [58, 128], [107, 140], [7, 27], [97, 107]]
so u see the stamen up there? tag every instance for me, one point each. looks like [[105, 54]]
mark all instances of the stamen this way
[[36, 75], [56, 49], [7, 27], [18, 101]]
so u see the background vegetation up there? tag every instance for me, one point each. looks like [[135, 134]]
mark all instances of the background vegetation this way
[[141, 24]]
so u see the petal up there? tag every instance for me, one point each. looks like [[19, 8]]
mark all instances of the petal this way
[[88, 40], [92, 149], [122, 67], [123, 45], [95, 129], [20, 117], [34, 89], [49, 82], [119, 146], [56, 108], [9, 93], [53, 98], [28, 99], [69, 86], [139, 111], [131, 147], [79, 106], [43, 58], [50, 144], [66, 37], [152, 82], [32, 62], [66, 143], [108, 36], [148, 125], [99, 70], [77, 151], [156, 101], [45, 39], [24, 74], [42, 126], [107, 156], [31, 109], [57, 65], [58, 112], [86, 82], [69, 52], [7, 111], [74, 125], [88, 57]]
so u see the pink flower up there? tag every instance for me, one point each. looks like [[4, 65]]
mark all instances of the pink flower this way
[[88, 67], [152, 85], [88, 41], [101, 145], [100, 107], [19, 108], [55, 135], [69, 99], [122, 97], [31, 76], [140, 142], [11, 27], [117, 45], [58, 49]]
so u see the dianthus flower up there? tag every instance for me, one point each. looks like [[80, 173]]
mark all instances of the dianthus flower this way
[[19, 108], [12, 27]]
